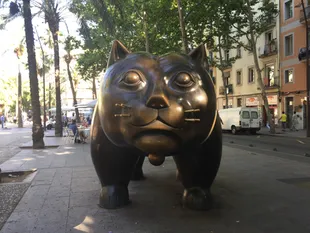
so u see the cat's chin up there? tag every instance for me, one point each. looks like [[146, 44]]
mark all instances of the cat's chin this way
[[157, 142]]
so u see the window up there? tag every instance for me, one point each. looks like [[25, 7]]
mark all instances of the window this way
[[239, 77], [227, 55], [239, 102], [251, 75], [239, 52], [268, 37], [254, 115], [288, 43], [269, 76], [288, 9], [288, 76], [246, 115]]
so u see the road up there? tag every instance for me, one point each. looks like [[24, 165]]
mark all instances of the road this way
[[297, 149], [11, 139]]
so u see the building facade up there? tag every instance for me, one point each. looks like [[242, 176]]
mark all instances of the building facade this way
[[293, 57], [241, 77]]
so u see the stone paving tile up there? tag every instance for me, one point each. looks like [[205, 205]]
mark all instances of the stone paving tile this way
[[88, 172], [87, 199], [84, 184], [21, 222], [59, 204], [50, 228], [59, 191]]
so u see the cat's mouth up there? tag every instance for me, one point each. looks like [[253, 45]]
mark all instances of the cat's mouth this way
[[158, 122]]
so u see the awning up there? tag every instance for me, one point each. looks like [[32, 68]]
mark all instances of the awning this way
[[90, 104]]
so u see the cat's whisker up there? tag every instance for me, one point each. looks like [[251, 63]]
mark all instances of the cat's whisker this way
[[122, 105], [193, 110], [122, 115], [192, 119]]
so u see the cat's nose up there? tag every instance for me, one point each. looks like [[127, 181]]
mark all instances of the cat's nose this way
[[157, 101]]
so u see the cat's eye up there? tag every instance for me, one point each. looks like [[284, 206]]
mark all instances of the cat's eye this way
[[131, 78], [183, 80]]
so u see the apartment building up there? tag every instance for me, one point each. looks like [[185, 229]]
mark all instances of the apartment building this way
[[293, 56], [240, 80]]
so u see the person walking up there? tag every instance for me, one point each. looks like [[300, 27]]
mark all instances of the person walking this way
[[283, 120], [294, 122], [2, 121]]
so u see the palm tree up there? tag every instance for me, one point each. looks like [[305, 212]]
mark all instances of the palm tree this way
[[37, 130], [52, 13], [19, 52], [70, 44]]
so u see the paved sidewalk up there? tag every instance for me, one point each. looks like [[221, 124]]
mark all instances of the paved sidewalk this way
[[254, 193], [286, 133]]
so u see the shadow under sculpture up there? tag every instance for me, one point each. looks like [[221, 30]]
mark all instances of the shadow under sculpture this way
[[156, 106]]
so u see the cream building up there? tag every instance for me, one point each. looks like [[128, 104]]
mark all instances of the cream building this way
[[242, 86]]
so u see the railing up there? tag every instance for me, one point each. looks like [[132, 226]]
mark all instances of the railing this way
[[272, 83], [302, 18], [269, 49]]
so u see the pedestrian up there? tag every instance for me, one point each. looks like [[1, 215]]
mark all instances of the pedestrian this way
[[294, 122], [283, 120], [2, 120]]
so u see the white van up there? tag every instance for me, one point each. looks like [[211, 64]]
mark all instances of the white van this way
[[240, 119]]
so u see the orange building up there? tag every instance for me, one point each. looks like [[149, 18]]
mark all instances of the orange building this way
[[293, 57]]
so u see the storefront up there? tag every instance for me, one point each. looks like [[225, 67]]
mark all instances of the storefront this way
[[230, 103], [273, 106]]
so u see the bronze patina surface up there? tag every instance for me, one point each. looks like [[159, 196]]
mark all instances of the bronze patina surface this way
[[156, 106]]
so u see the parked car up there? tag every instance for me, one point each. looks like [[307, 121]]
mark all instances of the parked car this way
[[240, 119]]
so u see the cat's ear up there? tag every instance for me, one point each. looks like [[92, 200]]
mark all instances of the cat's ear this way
[[199, 55], [118, 52]]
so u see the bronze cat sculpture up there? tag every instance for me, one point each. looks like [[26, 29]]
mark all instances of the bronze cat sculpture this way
[[156, 106]]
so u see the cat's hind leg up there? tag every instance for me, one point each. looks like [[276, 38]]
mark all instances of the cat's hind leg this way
[[138, 171]]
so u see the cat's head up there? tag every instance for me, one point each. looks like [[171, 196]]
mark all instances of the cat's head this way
[[157, 104]]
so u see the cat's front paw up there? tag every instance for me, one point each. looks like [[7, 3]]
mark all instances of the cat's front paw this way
[[197, 199], [114, 196]]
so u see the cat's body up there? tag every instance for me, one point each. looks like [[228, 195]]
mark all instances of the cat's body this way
[[157, 105]]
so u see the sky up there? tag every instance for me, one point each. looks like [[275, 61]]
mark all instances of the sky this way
[[14, 33]]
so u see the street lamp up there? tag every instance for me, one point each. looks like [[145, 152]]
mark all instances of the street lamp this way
[[307, 70]]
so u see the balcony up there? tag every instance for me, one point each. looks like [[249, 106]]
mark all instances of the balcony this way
[[302, 18], [272, 83], [271, 23], [269, 49], [302, 54]]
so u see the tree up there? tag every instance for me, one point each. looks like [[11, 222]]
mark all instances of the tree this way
[[253, 18], [104, 22], [219, 28], [70, 44], [182, 27], [37, 130], [19, 51], [52, 14]]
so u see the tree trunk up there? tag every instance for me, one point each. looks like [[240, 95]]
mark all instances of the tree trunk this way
[[182, 27], [37, 130], [49, 96], [19, 99], [145, 28], [258, 70], [73, 92], [58, 125], [94, 88], [225, 82]]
